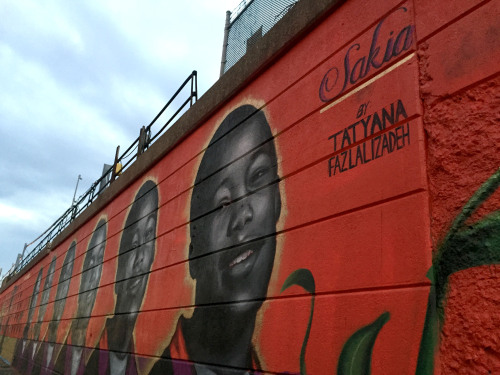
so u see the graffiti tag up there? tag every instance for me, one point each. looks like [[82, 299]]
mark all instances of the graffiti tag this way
[[329, 87]]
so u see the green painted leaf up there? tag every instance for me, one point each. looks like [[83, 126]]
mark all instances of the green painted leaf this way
[[472, 246], [463, 247], [356, 355], [481, 194], [301, 277], [466, 246], [428, 342], [305, 279]]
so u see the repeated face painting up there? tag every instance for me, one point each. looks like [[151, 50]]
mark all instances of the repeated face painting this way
[[44, 300], [73, 355], [234, 209], [24, 347], [137, 250], [64, 281], [92, 270], [47, 350], [47, 285], [114, 354]]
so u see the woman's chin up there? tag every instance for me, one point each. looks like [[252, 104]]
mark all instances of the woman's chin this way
[[244, 305]]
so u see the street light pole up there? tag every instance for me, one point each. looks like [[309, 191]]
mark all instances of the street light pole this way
[[74, 195]]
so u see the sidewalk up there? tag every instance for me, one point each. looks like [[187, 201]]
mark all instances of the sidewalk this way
[[6, 369]]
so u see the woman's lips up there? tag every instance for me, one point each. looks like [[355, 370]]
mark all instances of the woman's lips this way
[[238, 261], [241, 258]]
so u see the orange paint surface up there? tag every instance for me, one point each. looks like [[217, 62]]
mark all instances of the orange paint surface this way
[[375, 159]]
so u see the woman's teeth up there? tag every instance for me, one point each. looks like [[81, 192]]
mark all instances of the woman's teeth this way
[[240, 258]]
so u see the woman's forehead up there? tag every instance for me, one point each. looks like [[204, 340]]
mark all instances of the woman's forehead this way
[[246, 138], [146, 206]]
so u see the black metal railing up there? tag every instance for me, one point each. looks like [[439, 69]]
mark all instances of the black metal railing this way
[[121, 162]]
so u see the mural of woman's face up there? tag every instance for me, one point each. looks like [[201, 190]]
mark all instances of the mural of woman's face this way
[[64, 281], [247, 204], [34, 296], [46, 289], [136, 263], [91, 275]]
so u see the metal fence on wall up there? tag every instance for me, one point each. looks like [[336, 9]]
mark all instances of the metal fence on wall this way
[[248, 23], [188, 94]]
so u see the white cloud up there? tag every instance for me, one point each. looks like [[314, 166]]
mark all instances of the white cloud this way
[[80, 78], [15, 214]]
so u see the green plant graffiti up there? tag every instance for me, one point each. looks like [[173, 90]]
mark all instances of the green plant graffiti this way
[[305, 279], [425, 361], [356, 355], [464, 246]]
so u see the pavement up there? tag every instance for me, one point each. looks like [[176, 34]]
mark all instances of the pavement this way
[[6, 368]]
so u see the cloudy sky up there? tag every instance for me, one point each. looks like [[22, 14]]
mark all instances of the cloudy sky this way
[[79, 78]]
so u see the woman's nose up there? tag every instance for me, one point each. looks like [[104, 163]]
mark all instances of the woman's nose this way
[[242, 214], [139, 256]]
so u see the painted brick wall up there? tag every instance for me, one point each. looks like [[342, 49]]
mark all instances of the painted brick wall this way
[[337, 213], [459, 45]]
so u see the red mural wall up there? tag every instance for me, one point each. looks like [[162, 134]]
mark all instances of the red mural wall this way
[[338, 214]]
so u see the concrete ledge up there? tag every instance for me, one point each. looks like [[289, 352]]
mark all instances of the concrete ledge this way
[[287, 32]]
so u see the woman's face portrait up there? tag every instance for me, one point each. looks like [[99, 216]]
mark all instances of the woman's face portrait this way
[[136, 263], [47, 285], [92, 269], [246, 202], [34, 296], [64, 281]]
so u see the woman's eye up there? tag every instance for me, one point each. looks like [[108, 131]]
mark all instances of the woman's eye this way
[[224, 203], [258, 175], [149, 234]]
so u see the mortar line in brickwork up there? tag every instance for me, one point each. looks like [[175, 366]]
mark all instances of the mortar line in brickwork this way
[[321, 294], [213, 366], [282, 232], [354, 291], [353, 145], [318, 294], [352, 210], [368, 138], [293, 296], [440, 99], [313, 222], [449, 23]]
